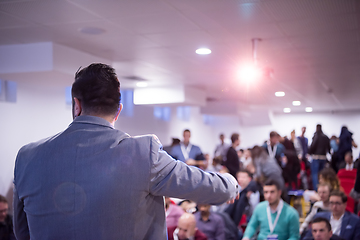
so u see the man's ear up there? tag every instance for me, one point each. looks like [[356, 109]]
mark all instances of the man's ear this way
[[77, 107], [118, 113]]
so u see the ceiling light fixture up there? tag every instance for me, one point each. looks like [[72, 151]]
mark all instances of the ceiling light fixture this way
[[203, 51], [141, 84], [308, 109], [280, 94], [296, 103], [287, 110]]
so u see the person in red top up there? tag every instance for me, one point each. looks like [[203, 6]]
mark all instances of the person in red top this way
[[186, 229]]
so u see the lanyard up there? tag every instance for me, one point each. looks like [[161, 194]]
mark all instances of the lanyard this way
[[272, 152], [185, 150], [279, 209]]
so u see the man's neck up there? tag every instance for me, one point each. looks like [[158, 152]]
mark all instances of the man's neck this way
[[274, 205], [186, 144], [205, 216], [337, 217]]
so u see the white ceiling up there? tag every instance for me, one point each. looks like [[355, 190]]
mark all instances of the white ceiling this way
[[313, 46]]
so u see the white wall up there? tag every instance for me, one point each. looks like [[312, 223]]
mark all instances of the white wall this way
[[41, 112]]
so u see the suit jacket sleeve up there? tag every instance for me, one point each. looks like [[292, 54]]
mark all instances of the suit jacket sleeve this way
[[176, 179], [21, 228]]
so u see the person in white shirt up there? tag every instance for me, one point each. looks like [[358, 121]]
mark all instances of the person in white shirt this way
[[349, 163], [344, 224], [322, 205]]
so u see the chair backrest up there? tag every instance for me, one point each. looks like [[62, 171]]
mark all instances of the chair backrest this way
[[347, 182]]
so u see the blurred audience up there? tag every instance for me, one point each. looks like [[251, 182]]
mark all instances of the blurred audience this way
[[274, 217], [321, 230], [319, 147], [323, 204], [232, 162], [6, 224], [344, 224], [211, 224], [222, 148], [248, 199], [348, 163], [173, 212], [274, 148], [187, 152], [346, 143], [186, 229]]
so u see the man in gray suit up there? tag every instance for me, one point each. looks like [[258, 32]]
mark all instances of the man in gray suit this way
[[92, 181]]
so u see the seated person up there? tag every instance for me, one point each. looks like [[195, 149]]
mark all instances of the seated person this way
[[349, 163], [327, 175], [6, 224], [173, 212], [211, 224], [215, 165], [322, 205], [343, 224], [321, 230], [275, 218], [248, 199], [186, 229]]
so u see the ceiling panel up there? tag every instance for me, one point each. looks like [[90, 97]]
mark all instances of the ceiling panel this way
[[48, 12], [284, 10]]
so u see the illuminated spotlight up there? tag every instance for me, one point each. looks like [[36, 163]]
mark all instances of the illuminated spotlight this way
[[296, 103], [280, 94], [308, 109], [203, 51], [249, 73], [142, 84], [287, 110]]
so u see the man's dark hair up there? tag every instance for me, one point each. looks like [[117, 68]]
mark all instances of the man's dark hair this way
[[3, 199], [340, 194], [187, 130], [321, 219], [245, 171], [98, 89], [318, 128], [274, 134], [234, 137], [271, 182], [175, 141]]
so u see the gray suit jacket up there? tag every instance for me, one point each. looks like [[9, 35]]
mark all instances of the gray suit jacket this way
[[94, 182]]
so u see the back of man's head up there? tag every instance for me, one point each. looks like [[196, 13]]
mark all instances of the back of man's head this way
[[234, 137], [98, 90], [318, 128]]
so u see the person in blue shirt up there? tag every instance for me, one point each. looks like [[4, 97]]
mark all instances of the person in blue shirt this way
[[187, 152]]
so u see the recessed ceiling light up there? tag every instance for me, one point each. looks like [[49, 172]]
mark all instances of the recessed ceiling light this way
[[308, 109], [92, 30], [280, 94], [142, 84], [287, 110], [203, 51], [296, 103]]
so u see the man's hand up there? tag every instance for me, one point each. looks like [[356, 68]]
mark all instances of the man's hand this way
[[191, 162]]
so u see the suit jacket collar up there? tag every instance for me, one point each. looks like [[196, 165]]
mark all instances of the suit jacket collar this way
[[87, 119], [345, 222]]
